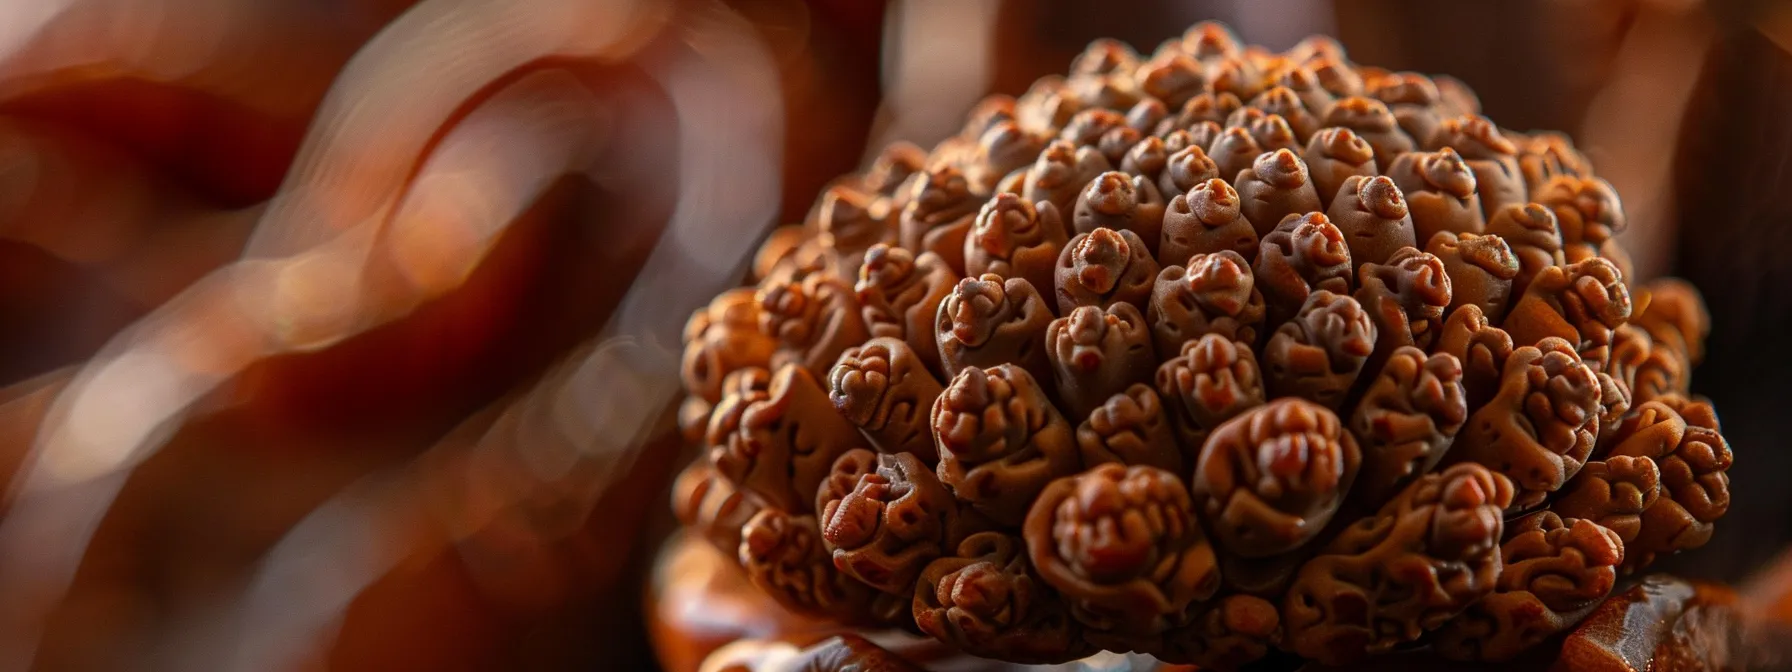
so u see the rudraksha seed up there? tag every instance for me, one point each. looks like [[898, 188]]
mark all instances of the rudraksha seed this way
[[1001, 441], [1372, 121], [1122, 545], [1115, 200], [783, 556], [1105, 56], [898, 162], [1455, 98], [778, 248], [1683, 439], [1387, 579], [989, 320], [1545, 155], [985, 600], [1209, 41], [1556, 571], [1058, 175], [779, 444], [1185, 169], [1481, 270], [1270, 479], [1541, 425], [1088, 126], [1173, 78], [1481, 348], [1405, 422], [1144, 117], [813, 320], [885, 389], [1677, 321], [1130, 429], [1406, 298], [1015, 239], [1046, 106], [708, 503], [1335, 155], [1440, 192], [1215, 294], [1631, 351], [1272, 133], [989, 112], [1146, 159], [1303, 255], [1097, 354], [1234, 150], [1237, 75], [1212, 380], [1586, 209], [1203, 134], [1226, 635], [1102, 268], [722, 338], [1614, 492], [1002, 149], [1531, 231], [1414, 101], [885, 518], [850, 222], [1274, 187], [939, 214], [1304, 82], [1493, 158], [1581, 303], [1372, 215], [1283, 102], [1317, 355], [1118, 142], [1207, 107], [900, 293], [1207, 219]]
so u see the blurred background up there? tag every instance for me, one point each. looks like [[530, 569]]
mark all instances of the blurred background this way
[[343, 334]]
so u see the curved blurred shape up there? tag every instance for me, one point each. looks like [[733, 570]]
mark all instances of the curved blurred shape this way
[[452, 95]]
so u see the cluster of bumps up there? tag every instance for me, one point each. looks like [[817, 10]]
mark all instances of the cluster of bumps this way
[[1201, 355]]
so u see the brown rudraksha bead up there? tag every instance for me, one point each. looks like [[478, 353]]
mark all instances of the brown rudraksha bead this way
[[1088, 126], [985, 600], [1102, 268], [1147, 160], [1581, 303], [1130, 429], [1185, 169], [813, 320], [780, 443], [1372, 215], [1204, 220], [988, 321], [1225, 634], [1677, 322], [1122, 202], [1440, 193], [1015, 239], [940, 211], [894, 166], [1540, 427], [1213, 380], [1303, 255], [1215, 294], [1405, 421], [1122, 546], [1317, 355], [1494, 159], [1097, 354], [1046, 106], [783, 556], [1058, 175], [1233, 151], [1682, 438], [1371, 121], [722, 338], [1586, 209], [1531, 231], [1405, 298], [1273, 187], [885, 389], [1207, 107], [900, 295], [1270, 479], [1389, 578], [1613, 491], [1173, 78], [1335, 155], [1002, 149], [1271, 131], [1545, 155], [1481, 348], [1283, 102], [1481, 270], [850, 221], [1556, 571], [884, 517], [709, 504], [1001, 441], [1414, 101]]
